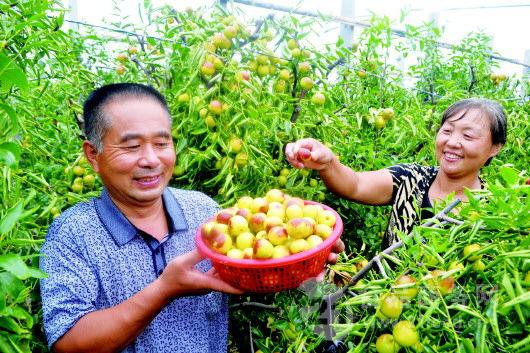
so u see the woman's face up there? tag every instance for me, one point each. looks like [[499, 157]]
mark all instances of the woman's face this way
[[464, 145]]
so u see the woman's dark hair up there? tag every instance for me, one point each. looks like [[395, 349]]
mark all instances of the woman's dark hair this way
[[96, 122], [491, 109]]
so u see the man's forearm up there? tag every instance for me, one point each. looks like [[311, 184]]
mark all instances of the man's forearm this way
[[112, 329]]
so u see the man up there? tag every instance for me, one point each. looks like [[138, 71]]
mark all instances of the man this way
[[122, 267]]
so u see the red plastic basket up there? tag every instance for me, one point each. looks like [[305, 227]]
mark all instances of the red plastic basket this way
[[273, 275]]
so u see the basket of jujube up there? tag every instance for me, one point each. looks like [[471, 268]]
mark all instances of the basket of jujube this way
[[271, 243]]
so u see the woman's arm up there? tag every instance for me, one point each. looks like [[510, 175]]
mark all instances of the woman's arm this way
[[372, 188]]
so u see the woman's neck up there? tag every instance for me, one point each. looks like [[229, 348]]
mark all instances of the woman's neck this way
[[444, 185]]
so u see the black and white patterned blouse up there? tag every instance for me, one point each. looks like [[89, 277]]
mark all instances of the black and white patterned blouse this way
[[410, 199]]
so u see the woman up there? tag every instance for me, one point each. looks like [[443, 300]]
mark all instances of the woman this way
[[471, 133]]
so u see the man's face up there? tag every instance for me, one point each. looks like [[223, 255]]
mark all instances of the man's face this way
[[137, 159]]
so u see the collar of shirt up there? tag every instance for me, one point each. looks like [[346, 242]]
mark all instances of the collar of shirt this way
[[122, 230]]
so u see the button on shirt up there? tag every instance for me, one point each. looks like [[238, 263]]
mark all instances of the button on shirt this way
[[95, 259]]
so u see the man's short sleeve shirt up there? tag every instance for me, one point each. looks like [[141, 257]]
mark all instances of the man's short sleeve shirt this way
[[96, 258]]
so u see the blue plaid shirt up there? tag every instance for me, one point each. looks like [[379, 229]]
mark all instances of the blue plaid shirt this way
[[96, 258]]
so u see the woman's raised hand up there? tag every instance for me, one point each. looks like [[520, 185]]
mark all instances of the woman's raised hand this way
[[309, 153]]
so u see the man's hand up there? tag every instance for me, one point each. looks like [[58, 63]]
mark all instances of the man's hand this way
[[337, 248], [180, 277]]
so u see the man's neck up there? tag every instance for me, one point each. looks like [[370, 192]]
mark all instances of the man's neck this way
[[149, 217]]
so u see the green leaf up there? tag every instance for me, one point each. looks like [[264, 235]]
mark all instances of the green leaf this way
[[5, 345], [11, 218], [7, 323], [13, 124], [9, 153], [10, 285], [3, 301], [11, 74], [522, 299], [509, 175], [13, 263], [525, 243], [60, 19], [20, 314]]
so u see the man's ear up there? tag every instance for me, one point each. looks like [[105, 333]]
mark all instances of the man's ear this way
[[91, 155]]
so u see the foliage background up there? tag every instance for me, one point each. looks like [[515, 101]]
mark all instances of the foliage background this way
[[47, 72]]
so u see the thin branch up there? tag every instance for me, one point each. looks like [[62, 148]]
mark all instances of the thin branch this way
[[329, 301], [250, 337], [298, 108], [254, 36], [330, 67], [144, 69], [256, 305], [473, 78]]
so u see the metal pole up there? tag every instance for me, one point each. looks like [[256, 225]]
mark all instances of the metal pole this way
[[526, 70], [434, 17], [275, 7], [73, 15], [346, 30], [351, 22]]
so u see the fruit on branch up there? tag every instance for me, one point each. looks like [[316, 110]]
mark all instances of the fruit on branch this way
[[183, 98], [122, 57], [241, 159], [304, 67], [386, 344], [379, 122], [387, 113], [285, 74], [406, 293], [263, 70], [207, 68], [318, 99], [280, 86], [361, 73], [471, 252], [306, 83], [296, 53], [230, 32], [221, 41], [405, 333], [215, 107], [391, 306], [262, 59], [444, 285], [292, 44], [243, 75], [120, 70]]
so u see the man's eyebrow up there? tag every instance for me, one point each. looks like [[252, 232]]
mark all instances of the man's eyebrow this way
[[128, 137], [163, 134], [134, 136]]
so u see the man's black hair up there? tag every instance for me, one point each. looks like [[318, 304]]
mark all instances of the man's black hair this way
[[95, 121]]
